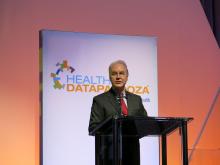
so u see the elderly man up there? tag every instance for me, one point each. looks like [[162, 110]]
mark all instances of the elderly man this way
[[106, 105]]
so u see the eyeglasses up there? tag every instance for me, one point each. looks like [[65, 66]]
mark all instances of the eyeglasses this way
[[118, 74]]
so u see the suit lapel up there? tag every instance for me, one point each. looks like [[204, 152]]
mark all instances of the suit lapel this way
[[113, 101], [129, 103]]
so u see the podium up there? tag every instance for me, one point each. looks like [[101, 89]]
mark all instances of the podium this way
[[119, 126]]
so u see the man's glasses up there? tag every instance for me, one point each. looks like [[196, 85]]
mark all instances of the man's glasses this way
[[118, 74]]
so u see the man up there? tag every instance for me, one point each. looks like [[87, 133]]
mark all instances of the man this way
[[106, 105]]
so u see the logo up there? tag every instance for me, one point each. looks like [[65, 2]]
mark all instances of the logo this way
[[56, 76], [65, 78]]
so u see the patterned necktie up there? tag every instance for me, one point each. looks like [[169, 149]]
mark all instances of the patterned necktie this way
[[124, 108]]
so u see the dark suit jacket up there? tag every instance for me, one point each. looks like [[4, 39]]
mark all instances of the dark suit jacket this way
[[106, 105]]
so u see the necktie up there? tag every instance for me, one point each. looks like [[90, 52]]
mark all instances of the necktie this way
[[124, 108]]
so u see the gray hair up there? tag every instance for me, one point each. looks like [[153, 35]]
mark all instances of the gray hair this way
[[118, 62]]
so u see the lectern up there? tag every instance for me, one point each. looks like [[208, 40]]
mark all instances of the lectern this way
[[119, 126]]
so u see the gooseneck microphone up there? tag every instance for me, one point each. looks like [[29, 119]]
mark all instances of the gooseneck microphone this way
[[118, 100]]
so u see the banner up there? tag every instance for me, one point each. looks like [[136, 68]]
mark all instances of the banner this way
[[74, 70]]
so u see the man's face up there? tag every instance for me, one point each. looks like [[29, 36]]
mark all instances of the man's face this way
[[118, 76]]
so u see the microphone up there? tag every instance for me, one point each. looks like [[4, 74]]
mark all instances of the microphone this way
[[121, 96], [118, 100]]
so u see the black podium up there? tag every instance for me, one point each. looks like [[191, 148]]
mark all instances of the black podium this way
[[139, 127]]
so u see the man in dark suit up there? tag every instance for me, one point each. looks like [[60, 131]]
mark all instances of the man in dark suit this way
[[106, 105]]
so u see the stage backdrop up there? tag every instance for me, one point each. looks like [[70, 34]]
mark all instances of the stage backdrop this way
[[74, 69]]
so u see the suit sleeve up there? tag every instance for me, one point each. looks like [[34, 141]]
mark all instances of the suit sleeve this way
[[97, 114], [142, 109]]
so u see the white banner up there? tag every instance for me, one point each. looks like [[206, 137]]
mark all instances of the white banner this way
[[75, 68]]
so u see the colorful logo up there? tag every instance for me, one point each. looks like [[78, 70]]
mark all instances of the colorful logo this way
[[65, 79], [56, 76]]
